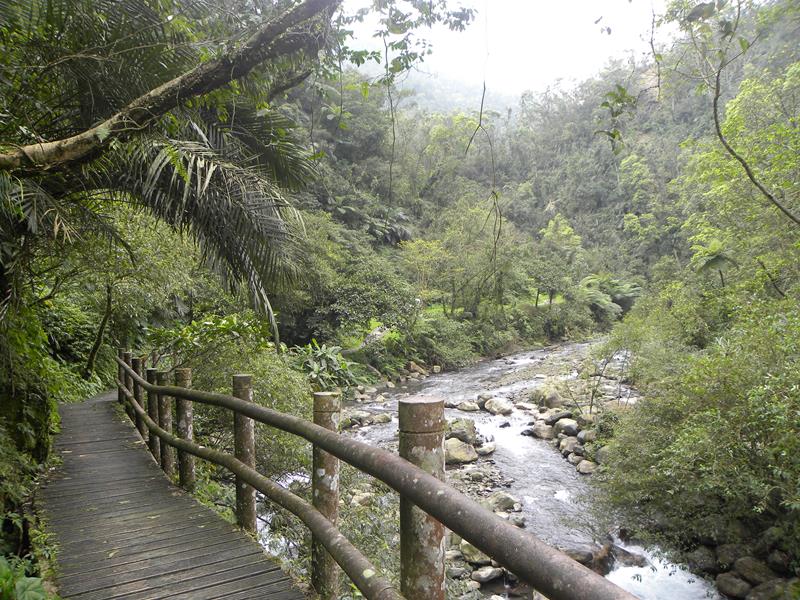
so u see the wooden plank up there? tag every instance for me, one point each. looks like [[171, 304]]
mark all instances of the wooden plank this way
[[124, 531]]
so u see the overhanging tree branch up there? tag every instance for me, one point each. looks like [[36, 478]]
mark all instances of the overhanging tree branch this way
[[272, 40]]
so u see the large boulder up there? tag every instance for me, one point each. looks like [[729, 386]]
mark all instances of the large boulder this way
[[499, 406], [547, 396], [566, 426], [732, 585], [553, 417], [472, 555], [503, 501], [543, 431], [468, 407], [462, 429], [702, 559], [754, 571], [727, 554], [586, 436], [777, 589], [567, 445], [457, 452], [586, 467]]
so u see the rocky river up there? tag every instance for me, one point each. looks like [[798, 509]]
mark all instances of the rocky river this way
[[519, 471]]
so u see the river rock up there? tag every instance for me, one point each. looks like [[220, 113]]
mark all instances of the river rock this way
[[586, 467], [567, 445], [587, 435], [779, 562], [574, 459], [482, 398], [499, 406], [753, 570], [456, 572], [525, 406], [702, 559], [415, 368], [457, 452], [554, 417], [502, 501], [626, 558], [547, 396], [361, 417], [566, 426], [486, 448], [485, 574], [581, 555], [389, 385], [436, 369], [468, 407], [543, 431], [453, 555], [777, 589], [472, 555], [462, 429], [517, 520], [732, 585], [382, 418]]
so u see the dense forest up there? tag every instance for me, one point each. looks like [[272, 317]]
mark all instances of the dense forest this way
[[281, 213]]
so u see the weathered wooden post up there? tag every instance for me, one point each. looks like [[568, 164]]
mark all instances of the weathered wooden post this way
[[165, 422], [422, 426], [152, 412], [244, 443], [128, 381], [120, 377], [138, 393], [325, 495], [185, 429]]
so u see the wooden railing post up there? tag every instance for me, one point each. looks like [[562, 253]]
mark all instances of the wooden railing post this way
[[152, 411], [422, 426], [137, 364], [120, 377], [325, 495], [128, 380], [244, 442], [165, 422], [185, 430]]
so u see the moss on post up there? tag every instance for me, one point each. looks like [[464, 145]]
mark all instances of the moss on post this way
[[185, 429], [245, 450], [422, 427], [325, 492], [165, 422]]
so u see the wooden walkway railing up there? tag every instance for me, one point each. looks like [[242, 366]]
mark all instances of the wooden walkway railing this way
[[428, 505]]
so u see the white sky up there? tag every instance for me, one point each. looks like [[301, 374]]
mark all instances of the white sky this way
[[520, 45]]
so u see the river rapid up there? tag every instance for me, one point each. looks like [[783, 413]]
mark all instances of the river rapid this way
[[555, 498]]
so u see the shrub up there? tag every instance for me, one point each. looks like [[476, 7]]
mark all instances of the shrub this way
[[714, 443]]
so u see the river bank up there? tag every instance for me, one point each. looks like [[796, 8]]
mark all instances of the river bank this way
[[524, 477]]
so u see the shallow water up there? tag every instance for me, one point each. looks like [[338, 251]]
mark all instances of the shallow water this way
[[552, 492]]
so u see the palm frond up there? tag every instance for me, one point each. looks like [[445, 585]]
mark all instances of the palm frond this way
[[246, 229]]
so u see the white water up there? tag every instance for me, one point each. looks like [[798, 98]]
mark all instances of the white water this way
[[661, 581]]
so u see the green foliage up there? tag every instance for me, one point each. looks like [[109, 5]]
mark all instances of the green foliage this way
[[714, 443], [324, 366], [15, 585]]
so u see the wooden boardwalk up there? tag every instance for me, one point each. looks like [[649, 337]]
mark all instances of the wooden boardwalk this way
[[125, 532]]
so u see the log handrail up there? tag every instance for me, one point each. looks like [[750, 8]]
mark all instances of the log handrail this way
[[547, 569]]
